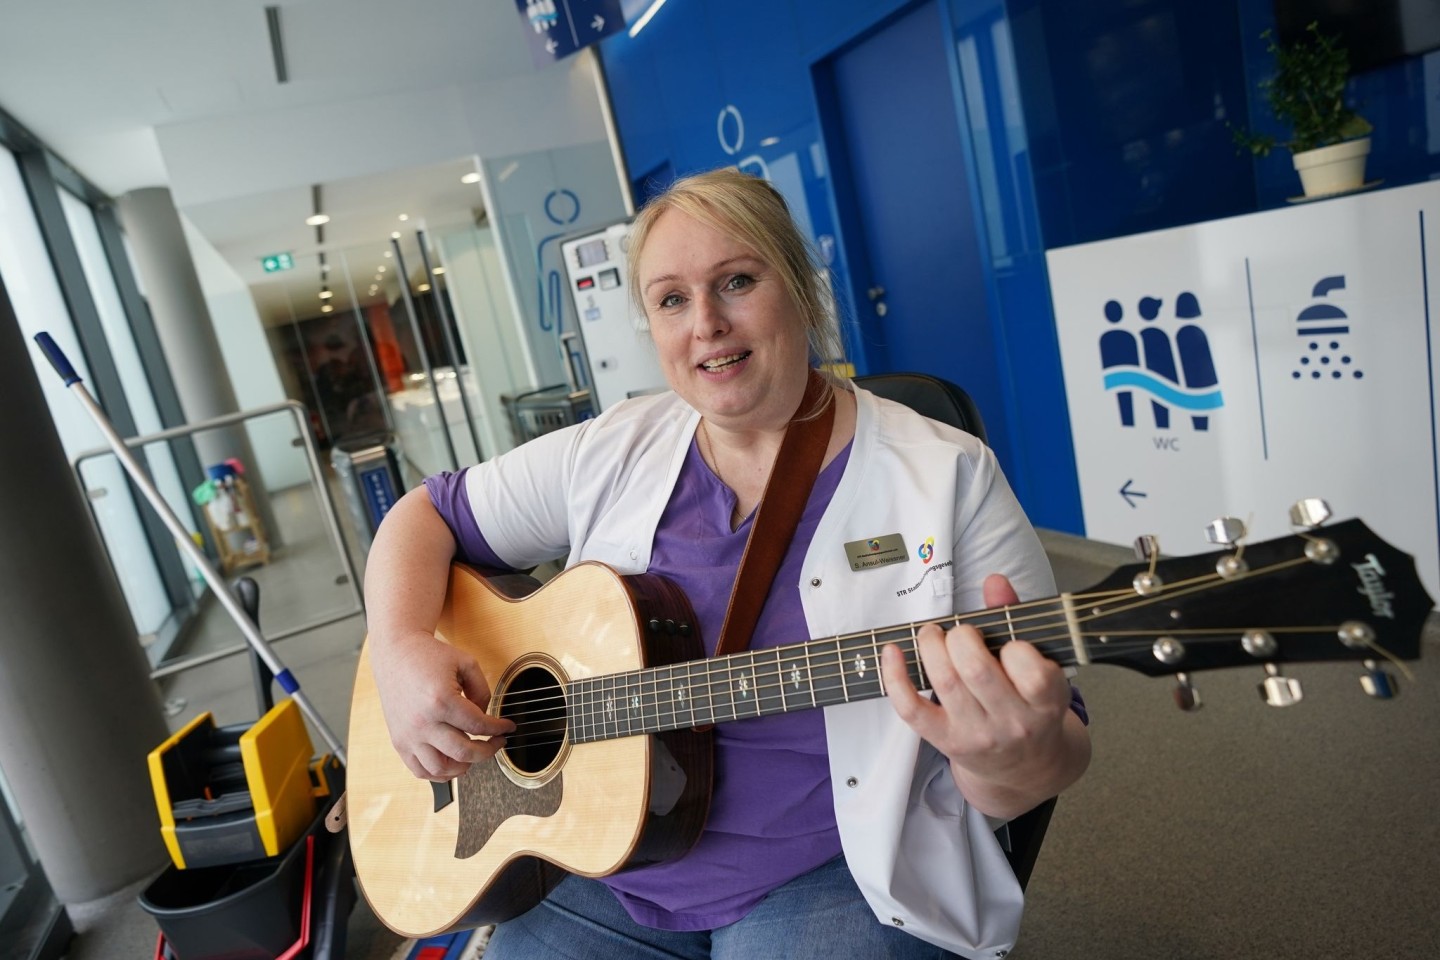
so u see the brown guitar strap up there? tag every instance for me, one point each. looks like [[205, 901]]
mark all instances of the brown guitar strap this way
[[791, 480]]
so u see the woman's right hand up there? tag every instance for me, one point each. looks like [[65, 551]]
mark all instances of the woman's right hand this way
[[434, 698]]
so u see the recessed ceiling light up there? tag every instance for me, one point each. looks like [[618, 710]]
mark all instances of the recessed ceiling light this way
[[404, 216], [381, 268], [438, 270], [470, 178], [423, 288], [326, 294], [389, 254], [319, 220], [395, 235], [326, 309]]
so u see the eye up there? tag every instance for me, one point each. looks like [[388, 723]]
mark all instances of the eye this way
[[739, 282], [670, 301]]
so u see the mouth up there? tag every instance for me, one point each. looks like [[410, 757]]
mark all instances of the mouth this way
[[717, 364]]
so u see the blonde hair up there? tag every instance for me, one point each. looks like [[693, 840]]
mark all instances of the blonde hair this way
[[749, 211]]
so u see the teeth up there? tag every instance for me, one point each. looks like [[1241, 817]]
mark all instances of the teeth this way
[[719, 362]]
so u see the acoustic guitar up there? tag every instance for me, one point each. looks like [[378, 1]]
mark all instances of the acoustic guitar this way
[[605, 679]]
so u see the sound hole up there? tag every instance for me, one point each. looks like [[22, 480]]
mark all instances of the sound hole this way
[[535, 701]]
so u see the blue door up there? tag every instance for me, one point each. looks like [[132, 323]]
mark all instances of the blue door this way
[[910, 231]]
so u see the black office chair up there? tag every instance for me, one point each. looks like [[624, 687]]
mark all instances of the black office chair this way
[[944, 401]]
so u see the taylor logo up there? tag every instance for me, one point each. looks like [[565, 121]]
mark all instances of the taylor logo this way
[[1372, 586], [927, 550], [873, 544]]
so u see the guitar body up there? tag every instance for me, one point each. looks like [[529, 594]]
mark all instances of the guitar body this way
[[489, 845]]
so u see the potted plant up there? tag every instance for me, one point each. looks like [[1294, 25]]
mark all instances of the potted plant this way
[[1328, 140]]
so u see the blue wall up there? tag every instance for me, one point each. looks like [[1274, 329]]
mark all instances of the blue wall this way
[[670, 85], [1084, 120], [1126, 104]]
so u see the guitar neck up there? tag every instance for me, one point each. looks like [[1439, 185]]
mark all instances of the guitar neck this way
[[802, 676]]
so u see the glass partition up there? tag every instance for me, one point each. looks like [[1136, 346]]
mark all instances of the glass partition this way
[[40, 306], [379, 332]]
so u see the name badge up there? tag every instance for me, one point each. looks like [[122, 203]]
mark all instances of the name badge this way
[[876, 552]]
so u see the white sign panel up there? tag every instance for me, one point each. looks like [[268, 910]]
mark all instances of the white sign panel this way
[[1232, 367]]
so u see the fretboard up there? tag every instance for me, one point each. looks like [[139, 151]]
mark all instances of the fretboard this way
[[757, 683]]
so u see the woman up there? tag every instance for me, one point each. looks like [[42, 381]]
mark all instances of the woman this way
[[821, 821]]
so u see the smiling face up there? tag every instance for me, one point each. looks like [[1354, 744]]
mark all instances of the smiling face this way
[[730, 339]]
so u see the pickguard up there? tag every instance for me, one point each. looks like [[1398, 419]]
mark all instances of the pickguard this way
[[488, 798]]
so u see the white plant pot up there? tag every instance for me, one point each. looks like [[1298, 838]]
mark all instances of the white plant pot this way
[[1337, 168]]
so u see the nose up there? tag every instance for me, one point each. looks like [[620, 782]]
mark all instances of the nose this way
[[709, 320]]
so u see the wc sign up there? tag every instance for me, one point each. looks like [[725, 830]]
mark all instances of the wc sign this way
[[1168, 370], [1233, 367]]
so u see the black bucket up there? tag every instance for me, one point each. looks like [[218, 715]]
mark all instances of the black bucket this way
[[259, 910]]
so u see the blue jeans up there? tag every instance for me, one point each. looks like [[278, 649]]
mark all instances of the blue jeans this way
[[818, 916]]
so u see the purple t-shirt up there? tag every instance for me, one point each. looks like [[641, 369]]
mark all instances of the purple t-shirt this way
[[771, 813]]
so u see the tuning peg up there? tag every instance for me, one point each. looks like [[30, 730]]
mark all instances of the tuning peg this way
[[1310, 513], [1228, 531], [1147, 547], [1187, 698], [1279, 690], [1378, 683], [1225, 530]]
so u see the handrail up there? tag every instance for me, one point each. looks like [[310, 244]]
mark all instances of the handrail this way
[[332, 517]]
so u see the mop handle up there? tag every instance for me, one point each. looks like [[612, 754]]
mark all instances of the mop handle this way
[[258, 643]]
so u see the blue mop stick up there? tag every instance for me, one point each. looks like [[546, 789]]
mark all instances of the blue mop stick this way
[[261, 646]]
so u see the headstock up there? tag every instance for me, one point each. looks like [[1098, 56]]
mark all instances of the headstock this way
[[1322, 594]]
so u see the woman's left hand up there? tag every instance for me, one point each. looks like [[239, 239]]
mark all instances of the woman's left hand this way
[[1005, 722]]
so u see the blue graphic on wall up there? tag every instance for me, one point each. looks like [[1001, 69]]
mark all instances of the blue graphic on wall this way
[[1324, 328], [549, 288], [1176, 372]]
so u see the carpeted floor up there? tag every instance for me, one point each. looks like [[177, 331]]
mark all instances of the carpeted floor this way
[[1243, 830]]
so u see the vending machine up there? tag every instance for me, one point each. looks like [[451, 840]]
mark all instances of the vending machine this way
[[610, 340]]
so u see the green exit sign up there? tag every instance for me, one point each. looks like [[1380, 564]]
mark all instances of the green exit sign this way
[[277, 262]]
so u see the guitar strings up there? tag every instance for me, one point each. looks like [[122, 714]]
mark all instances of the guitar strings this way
[[829, 659], [877, 637], [701, 712], [1001, 627], [832, 665]]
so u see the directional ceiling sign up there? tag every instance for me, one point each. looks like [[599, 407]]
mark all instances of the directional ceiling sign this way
[[558, 28], [276, 262]]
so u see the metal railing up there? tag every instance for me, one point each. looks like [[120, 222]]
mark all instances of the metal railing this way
[[329, 513]]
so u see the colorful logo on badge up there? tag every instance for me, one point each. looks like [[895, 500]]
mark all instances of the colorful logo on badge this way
[[873, 544], [927, 550]]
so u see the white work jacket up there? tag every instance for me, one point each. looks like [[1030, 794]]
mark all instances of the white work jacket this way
[[925, 859]]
